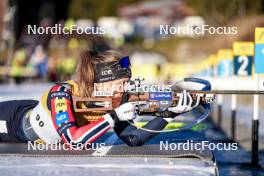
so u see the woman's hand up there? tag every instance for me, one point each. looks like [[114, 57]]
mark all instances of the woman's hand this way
[[127, 111], [185, 103]]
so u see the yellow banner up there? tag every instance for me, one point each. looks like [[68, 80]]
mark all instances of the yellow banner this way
[[171, 70], [259, 35], [213, 59], [225, 54], [243, 48], [147, 71]]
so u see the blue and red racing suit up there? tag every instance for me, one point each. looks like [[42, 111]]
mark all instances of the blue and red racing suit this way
[[53, 120]]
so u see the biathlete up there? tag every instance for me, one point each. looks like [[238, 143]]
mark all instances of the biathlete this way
[[53, 119]]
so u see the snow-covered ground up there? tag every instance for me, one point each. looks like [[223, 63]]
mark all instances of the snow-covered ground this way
[[244, 113], [23, 91]]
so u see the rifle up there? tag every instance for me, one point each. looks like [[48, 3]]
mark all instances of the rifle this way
[[156, 102]]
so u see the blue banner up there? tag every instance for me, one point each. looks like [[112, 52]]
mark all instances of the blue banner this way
[[225, 68], [259, 58]]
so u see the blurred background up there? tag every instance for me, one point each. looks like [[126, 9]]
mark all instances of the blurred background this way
[[132, 27], [29, 64]]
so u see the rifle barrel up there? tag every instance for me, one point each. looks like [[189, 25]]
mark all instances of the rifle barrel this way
[[243, 92]]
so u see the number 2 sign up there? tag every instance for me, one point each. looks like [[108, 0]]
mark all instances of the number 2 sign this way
[[243, 65], [243, 58]]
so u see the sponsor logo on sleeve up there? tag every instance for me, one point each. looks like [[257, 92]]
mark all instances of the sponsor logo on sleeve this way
[[60, 105], [62, 118]]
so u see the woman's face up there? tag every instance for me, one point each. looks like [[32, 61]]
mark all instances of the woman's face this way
[[116, 87]]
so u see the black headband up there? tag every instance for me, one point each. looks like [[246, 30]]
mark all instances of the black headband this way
[[110, 71]]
